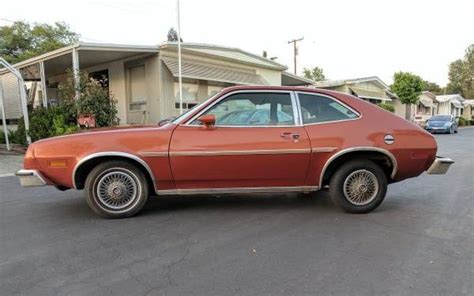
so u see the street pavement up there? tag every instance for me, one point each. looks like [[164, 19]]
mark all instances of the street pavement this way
[[420, 241]]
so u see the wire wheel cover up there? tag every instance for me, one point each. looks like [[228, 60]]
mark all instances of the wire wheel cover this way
[[361, 187], [117, 189]]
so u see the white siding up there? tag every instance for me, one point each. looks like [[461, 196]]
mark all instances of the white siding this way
[[11, 96]]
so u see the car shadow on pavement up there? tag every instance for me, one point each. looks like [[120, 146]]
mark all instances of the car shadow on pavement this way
[[258, 202]]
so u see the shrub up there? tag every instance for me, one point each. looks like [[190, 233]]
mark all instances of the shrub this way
[[386, 106], [14, 137], [462, 121], [95, 100], [48, 122], [62, 118]]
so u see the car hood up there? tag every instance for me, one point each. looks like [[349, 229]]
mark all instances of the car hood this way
[[84, 134], [114, 128]]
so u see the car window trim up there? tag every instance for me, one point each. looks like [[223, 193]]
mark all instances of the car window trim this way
[[297, 93], [289, 92]]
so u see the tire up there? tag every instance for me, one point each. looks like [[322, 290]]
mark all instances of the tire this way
[[360, 200], [124, 189]]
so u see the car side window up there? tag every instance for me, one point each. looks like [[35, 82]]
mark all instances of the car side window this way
[[253, 109], [316, 109]]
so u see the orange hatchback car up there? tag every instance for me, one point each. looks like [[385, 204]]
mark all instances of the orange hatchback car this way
[[243, 140]]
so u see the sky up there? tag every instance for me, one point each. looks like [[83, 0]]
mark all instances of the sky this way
[[348, 39]]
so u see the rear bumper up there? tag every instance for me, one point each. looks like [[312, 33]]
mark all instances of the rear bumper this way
[[440, 166], [30, 178]]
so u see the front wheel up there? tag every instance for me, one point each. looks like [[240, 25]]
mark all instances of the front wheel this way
[[358, 186], [116, 189]]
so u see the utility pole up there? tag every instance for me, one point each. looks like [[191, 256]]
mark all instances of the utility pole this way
[[295, 50], [180, 78]]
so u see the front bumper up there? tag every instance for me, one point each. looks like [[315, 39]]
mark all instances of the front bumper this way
[[440, 166], [30, 178], [438, 129]]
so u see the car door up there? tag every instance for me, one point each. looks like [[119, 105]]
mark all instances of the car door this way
[[255, 143]]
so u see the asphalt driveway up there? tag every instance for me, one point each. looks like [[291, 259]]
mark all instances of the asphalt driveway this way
[[419, 242]]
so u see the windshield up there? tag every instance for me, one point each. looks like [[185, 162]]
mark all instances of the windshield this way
[[180, 118], [440, 118]]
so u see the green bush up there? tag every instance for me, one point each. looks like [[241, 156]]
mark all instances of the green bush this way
[[62, 118], [463, 121], [95, 100], [48, 122], [13, 137], [386, 106]]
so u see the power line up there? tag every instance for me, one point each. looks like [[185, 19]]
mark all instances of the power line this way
[[6, 20]]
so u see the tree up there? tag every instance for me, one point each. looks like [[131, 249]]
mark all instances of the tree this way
[[408, 88], [173, 35], [432, 87], [21, 40], [316, 74], [461, 75], [455, 77]]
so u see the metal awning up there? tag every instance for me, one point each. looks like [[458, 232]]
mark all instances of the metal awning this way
[[457, 104], [427, 103], [370, 94], [194, 70], [289, 79]]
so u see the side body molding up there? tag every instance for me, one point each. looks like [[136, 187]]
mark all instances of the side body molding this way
[[356, 149], [112, 153]]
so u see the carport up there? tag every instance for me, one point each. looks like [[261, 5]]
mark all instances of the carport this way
[[77, 57], [42, 74]]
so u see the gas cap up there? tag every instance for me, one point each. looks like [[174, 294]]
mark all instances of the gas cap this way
[[389, 139]]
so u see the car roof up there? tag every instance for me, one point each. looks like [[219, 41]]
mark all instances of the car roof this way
[[287, 88]]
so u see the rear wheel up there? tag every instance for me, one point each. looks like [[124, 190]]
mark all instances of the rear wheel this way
[[358, 186], [116, 189]]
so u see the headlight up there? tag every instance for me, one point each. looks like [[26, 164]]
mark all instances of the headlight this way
[[447, 124]]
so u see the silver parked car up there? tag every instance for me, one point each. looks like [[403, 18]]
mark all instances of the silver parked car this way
[[442, 124]]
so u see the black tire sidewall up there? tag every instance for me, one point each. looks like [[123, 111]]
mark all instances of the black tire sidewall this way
[[337, 183], [91, 184]]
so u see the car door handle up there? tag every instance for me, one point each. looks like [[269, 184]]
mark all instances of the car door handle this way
[[288, 135]]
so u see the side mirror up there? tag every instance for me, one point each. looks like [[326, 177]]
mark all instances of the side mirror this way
[[208, 120]]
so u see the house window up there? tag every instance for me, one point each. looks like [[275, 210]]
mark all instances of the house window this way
[[137, 85], [213, 90], [190, 91], [102, 77]]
